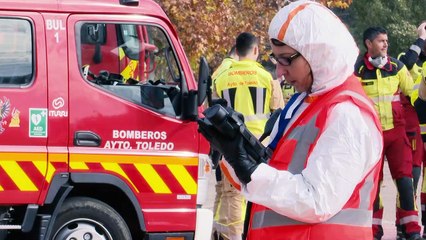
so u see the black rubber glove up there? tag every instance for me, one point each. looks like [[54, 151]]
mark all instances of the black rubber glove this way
[[241, 162], [233, 150]]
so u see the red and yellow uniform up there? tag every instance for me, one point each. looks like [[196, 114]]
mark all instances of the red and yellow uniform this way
[[383, 86], [420, 106]]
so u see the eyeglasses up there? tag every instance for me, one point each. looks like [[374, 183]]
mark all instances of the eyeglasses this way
[[284, 61]]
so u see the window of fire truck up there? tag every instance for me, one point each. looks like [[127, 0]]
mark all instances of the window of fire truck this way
[[16, 52], [133, 61]]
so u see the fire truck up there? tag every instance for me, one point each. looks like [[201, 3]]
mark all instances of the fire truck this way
[[98, 130]]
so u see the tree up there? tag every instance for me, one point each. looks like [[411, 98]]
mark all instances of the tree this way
[[399, 17], [209, 27]]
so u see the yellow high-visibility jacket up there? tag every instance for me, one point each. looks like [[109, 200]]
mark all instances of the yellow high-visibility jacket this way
[[247, 87], [383, 87], [418, 103]]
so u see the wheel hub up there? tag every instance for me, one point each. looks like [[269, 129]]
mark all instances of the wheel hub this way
[[82, 229]]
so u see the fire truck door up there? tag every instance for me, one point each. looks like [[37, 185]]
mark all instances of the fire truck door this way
[[23, 107], [132, 130]]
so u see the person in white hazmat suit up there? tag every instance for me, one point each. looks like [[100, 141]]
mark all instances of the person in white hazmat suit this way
[[322, 178]]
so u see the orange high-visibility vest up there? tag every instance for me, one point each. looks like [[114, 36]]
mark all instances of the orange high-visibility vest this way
[[353, 222]]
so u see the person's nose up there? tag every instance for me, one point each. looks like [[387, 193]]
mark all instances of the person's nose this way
[[281, 71]]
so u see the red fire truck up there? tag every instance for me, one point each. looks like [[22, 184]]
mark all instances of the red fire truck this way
[[98, 131]]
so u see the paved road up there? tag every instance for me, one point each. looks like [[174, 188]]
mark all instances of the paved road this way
[[389, 199], [388, 195]]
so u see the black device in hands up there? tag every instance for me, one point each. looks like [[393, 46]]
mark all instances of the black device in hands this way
[[230, 124]]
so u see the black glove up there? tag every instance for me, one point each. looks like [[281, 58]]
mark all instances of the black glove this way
[[236, 155], [233, 150]]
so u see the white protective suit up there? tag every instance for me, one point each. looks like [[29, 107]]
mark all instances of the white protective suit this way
[[350, 144]]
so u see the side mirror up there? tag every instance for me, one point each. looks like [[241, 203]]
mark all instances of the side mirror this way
[[204, 81]]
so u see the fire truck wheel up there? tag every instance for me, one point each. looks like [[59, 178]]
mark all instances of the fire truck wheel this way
[[89, 219]]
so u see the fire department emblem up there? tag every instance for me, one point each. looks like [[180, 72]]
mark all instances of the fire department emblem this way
[[4, 112]]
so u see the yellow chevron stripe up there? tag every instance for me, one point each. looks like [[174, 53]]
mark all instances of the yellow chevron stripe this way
[[18, 175], [1, 188], [41, 166], [114, 167], [48, 173], [160, 160], [184, 178], [79, 166], [153, 179]]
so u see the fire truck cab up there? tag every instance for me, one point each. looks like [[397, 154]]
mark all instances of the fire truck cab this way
[[98, 130]]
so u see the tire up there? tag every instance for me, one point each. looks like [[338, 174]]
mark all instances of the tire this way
[[89, 219]]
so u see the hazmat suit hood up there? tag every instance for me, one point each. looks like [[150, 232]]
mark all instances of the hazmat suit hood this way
[[322, 39]]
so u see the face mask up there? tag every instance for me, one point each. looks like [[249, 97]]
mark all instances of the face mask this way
[[378, 62]]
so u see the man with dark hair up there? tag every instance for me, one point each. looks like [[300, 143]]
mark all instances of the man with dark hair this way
[[383, 78], [248, 88], [245, 43]]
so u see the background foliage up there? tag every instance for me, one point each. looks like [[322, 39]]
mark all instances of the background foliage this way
[[209, 27], [399, 17]]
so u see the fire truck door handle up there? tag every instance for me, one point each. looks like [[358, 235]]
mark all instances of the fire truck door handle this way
[[86, 139]]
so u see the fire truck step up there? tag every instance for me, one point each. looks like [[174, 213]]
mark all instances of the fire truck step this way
[[30, 216], [27, 223], [10, 227]]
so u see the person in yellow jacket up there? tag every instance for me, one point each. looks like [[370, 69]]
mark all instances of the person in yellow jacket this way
[[383, 78], [249, 89], [414, 64], [228, 205], [247, 86]]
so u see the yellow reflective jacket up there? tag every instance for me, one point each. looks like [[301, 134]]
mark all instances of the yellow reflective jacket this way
[[418, 73], [383, 87], [247, 87], [226, 64], [414, 96]]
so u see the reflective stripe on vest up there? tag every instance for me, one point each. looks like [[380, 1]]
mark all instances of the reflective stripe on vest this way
[[408, 219], [394, 98], [257, 117], [229, 96], [258, 96], [423, 128], [354, 217], [310, 134], [416, 86]]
